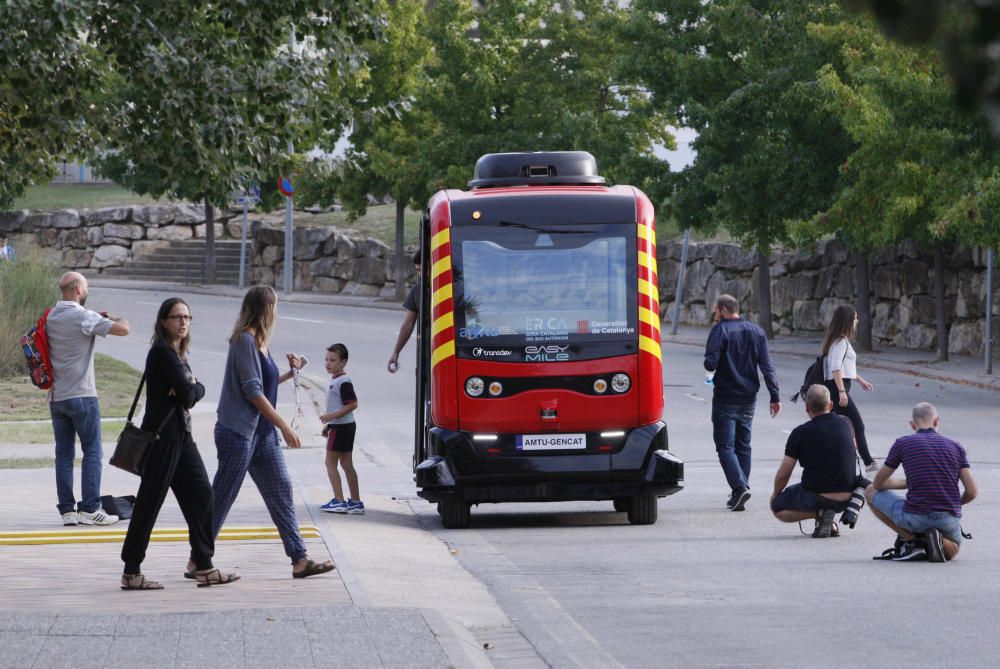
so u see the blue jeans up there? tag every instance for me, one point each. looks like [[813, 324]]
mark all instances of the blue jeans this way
[[72, 417], [891, 503], [731, 425]]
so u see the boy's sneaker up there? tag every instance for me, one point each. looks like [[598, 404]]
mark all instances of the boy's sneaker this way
[[740, 498], [70, 518], [824, 524], [353, 506], [934, 545], [334, 506], [97, 518], [910, 551], [873, 467]]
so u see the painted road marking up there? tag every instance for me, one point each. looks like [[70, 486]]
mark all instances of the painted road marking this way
[[301, 320], [107, 535], [695, 397]]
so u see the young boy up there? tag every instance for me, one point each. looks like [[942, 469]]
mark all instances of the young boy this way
[[339, 430]]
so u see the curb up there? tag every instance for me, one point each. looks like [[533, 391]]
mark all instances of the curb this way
[[456, 641]]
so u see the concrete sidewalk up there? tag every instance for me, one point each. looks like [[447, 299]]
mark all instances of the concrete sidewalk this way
[[61, 605]]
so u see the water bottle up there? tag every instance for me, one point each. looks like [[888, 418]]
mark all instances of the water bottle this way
[[709, 376]]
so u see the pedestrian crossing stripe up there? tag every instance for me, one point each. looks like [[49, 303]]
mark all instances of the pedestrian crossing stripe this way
[[107, 535]]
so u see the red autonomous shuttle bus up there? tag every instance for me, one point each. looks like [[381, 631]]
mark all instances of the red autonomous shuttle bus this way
[[539, 375]]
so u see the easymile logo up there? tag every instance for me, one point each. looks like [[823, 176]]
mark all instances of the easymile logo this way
[[480, 352], [546, 353]]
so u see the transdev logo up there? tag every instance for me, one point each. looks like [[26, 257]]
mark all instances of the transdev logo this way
[[481, 352]]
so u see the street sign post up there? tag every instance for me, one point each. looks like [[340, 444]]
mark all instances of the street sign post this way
[[250, 196]]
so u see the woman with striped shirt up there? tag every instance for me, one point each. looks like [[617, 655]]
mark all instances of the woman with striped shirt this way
[[840, 370]]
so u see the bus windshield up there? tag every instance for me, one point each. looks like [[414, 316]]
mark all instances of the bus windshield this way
[[519, 285]]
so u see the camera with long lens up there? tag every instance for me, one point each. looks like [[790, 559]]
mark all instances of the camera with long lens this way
[[855, 503]]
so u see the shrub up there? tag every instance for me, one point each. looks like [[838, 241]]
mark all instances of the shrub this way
[[27, 288]]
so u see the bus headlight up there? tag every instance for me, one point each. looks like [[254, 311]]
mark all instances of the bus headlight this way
[[620, 383], [600, 386], [474, 386], [496, 388]]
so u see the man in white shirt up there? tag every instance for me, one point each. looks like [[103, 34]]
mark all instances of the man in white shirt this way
[[71, 331]]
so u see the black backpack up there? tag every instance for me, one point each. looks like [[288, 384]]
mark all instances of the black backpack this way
[[814, 375]]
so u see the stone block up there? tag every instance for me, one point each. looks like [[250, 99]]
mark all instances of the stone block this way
[[65, 219], [805, 316], [268, 234], [143, 248], [302, 279], [46, 236], [75, 238], [185, 212], [271, 255], [76, 258], [201, 230], [886, 255], [804, 260], [913, 277], [826, 308], [966, 338], [886, 323], [373, 248], [371, 270], [13, 221], [154, 214], [123, 230], [325, 284], [106, 215], [110, 255], [696, 280], [309, 242], [970, 297], [916, 337], [95, 235], [263, 275], [172, 233], [833, 251], [885, 283]]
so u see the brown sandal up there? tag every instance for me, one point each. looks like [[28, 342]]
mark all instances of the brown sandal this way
[[139, 582], [314, 568], [214, 577]]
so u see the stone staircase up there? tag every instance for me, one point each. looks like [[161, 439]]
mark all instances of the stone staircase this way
[[183, 262]]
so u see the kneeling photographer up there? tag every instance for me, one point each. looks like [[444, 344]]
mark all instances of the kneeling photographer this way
[[824, 446]]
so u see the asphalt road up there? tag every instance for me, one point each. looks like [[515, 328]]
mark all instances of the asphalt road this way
[[702, 587]]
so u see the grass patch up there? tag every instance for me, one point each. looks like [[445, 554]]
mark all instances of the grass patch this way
[[41, 433], [116, 384], [32, 463], [78, 196], [378, 222]]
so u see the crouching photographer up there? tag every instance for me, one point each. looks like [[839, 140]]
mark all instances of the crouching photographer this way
[[824, 446]]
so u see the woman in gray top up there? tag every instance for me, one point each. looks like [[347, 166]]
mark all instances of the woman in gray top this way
[[245, 435]]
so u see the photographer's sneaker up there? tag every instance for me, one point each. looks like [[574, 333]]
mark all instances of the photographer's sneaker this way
[[97, 518], [824, 524], [873, 467], [335, 506], [934, 545], [911, 551], [70, 518], [740, 498], [355, 507]]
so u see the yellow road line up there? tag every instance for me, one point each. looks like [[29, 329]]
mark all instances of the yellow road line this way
[[78, 536]]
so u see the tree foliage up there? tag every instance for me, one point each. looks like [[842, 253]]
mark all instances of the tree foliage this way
[[48, 78]]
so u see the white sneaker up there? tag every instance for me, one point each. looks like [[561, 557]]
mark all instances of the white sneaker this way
[[873, 467], [70, 518], [97, 518]]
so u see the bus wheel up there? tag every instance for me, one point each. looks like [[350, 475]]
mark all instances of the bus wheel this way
[[455, 514], [621, 504], [642, 509]]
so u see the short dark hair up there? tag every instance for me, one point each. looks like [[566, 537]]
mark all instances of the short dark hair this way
[[727, 303], [339, 349]]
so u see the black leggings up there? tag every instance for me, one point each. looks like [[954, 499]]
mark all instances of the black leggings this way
[[173, 463], [851, 411]]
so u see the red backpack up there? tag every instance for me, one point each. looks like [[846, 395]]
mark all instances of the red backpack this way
[[35, 343]]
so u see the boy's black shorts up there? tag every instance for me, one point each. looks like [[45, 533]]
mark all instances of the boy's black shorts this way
[[340, 438]]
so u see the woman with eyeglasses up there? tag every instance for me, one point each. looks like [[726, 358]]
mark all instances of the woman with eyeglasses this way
[[173, 461], [245, 432], [840, 369]]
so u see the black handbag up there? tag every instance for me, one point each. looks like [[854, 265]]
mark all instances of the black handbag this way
[[134, 443]]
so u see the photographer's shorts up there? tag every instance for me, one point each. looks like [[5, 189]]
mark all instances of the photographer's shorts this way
[[891, 504], [340, 438], [797, 498]]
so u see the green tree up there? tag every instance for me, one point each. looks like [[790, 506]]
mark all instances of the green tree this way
[[48, 78], [915, 157], [205, 96], [743, 74]]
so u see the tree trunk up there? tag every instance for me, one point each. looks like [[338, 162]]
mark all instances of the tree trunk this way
[[209, 273], [764, 290], [942, 323], [400, 260], [862, 286]]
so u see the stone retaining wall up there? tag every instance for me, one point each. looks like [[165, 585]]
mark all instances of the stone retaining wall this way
[[806, 286]]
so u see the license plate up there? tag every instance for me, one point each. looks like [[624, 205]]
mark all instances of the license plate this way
[[551, 442]]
